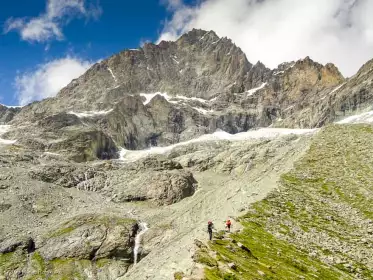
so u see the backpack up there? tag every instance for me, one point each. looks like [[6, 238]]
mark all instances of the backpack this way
[[209, 227]]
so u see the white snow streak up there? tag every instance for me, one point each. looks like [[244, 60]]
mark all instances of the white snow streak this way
[[253, 90], [150, 96], [337, 88], [191, 98], [216, 41], [203, 111], [112, 74], [262, 133], [89, 114], [174, 59], [204, 36], [170, 99], [278, 73], [52, 154]]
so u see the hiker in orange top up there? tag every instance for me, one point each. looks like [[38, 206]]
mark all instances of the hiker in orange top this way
[[228, 225]]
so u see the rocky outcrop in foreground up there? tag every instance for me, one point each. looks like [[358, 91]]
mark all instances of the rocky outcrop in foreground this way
[[83, 247]]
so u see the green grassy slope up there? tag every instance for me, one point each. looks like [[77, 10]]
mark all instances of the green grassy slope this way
[[318, 225]]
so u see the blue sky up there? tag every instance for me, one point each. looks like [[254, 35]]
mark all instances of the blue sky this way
[[118, 24]]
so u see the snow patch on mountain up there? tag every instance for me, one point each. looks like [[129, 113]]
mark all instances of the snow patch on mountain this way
[[150, 96], [191, 98], [174, 59], [112, 74], [253, 90], [169, 98], [202, 111], [262, 133], [204, 35], [90, 114], [337, 88]]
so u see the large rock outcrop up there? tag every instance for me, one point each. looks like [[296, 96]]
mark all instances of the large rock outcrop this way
[[86, 245]]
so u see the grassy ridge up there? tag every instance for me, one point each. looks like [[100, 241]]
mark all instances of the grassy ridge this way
[[318, 225]]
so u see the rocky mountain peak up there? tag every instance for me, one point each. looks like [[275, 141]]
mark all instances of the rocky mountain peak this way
[[196, 36], [8, 113], [307, 71], [366, 68], [198, 64], [165, 93]]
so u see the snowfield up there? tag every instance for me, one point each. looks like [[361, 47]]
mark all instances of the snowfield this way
[[90, 114], [253, 90], [150, 96], [262, 133], [169, 98], [366, 117]]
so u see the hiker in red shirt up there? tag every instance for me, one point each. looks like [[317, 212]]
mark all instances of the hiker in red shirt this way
[[228, 225]]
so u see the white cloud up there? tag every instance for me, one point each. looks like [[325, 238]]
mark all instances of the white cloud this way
[[48, 79], [49, 25], [274, 31]]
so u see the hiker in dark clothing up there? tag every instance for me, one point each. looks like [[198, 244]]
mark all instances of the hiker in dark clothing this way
[[210, 226]]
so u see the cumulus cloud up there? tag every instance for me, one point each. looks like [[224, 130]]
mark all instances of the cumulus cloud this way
[[47, 79], [274, 31], [49, 25]]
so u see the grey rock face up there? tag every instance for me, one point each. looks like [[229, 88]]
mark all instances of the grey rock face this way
[[198, 64], [209, 84]]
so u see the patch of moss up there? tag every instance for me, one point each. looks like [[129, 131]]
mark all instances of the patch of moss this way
[[65, 269], [213, 274], [179, 275], [61, 232], [201, 256], [38, 264], [102, 263], [12, 261], [108, 221]]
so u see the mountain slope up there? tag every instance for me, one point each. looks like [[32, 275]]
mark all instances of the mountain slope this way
[[319, 223]]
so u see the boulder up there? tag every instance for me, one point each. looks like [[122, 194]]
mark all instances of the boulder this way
[[163, 188], [90, 237]]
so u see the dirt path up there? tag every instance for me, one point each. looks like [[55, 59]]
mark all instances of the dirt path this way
[[218, 197]]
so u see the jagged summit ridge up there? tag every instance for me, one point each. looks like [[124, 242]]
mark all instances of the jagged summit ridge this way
[[203, 82]]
